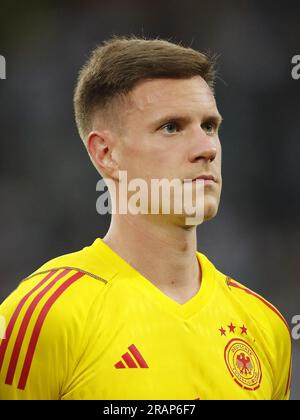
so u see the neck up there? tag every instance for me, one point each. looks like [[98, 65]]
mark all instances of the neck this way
[[163, 252]]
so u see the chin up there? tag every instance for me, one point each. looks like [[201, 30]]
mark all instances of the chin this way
[[209, 213], [211, 206], [210, 210]]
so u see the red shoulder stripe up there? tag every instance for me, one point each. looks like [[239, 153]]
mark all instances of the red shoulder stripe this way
[[15, 315], [38, 327], [231, 283], [21, 334]]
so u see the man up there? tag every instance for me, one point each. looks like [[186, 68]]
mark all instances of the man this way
[[140, 314]]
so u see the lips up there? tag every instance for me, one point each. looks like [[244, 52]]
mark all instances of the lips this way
[[206, 177]]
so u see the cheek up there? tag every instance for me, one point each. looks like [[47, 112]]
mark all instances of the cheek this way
[[137, 161], [128, 154], [219, 155], [149, 158]]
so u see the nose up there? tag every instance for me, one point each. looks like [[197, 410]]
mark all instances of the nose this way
[[204, 148]]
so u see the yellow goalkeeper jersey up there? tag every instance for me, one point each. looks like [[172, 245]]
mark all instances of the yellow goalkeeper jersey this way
[[87, 325]]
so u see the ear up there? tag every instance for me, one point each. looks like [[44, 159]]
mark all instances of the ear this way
[[100, 146]]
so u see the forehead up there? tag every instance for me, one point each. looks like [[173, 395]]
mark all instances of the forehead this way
[[154, 96]]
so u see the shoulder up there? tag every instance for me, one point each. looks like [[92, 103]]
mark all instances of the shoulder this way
[[62, 288], [244, 299], [271, 324], [259, 308], [91, 260], [47, 320]]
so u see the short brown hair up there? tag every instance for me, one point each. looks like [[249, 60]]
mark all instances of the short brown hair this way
[[115, 67]]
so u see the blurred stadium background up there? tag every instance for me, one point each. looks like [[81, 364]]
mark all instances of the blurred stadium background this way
[[48, 187]]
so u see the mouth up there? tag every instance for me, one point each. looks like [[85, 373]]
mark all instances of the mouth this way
[[208, 179]]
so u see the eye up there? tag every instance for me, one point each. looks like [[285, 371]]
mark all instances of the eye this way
[[170, 126], [209, 127]]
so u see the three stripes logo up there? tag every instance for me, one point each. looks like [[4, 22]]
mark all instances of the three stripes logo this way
[[41, 288], [132, 359]]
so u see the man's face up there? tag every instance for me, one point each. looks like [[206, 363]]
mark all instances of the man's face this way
[[172, 132]]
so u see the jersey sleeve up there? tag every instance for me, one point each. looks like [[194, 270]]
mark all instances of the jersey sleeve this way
[[44, 319], [277, 337], [283, 367]]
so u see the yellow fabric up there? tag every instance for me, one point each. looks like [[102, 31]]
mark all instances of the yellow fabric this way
[[224, 343]]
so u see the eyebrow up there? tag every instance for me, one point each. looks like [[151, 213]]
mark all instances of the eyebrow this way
[[216, 117]]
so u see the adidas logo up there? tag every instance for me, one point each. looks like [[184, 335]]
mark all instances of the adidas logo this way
[[131, 359]]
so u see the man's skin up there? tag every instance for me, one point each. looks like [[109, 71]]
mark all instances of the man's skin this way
[[162, 247]]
